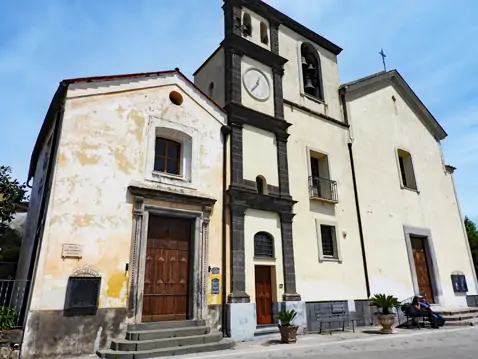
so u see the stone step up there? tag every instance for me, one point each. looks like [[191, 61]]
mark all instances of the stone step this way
[[140, 335], [460, 317], [455, 311], [156, 353], [166, 325], [262, 330], [132, 345]]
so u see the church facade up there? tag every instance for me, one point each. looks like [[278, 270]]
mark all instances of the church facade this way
[[263, 185]]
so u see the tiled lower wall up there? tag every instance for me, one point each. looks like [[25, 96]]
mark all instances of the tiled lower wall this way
[[472, 300], [362, 313]]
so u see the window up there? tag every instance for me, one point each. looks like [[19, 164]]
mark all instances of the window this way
[[167, 156], [210, 90], [246, 25], [261, 185], [311, 71], [263, 245], [328, 242], [320, 184], [264, 34], [405, 166]]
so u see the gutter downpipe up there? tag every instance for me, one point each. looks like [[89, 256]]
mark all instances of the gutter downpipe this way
[[226, 130], [357, 204]]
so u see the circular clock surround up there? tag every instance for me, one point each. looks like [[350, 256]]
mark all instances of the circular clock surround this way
[[257, 84]]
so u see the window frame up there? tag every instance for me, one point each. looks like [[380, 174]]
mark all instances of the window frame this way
[[272, 243], [337, 257], [319, 70], [178, 158], [409, 181]]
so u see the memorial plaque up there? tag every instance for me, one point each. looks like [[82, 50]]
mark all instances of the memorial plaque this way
[[71, 250], [459, 283]]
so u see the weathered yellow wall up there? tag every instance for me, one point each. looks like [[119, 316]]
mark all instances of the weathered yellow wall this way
[[102, 149], [262, 221], [380, 126]]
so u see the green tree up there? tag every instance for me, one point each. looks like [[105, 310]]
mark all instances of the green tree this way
[[472, 233], [12, 193]]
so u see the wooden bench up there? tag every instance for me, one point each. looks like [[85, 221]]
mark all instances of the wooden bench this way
[[338, 315]]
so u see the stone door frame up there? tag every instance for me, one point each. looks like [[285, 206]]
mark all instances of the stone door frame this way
[[426, 236], [197, 307]]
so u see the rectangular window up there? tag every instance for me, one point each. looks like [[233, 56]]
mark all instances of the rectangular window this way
[[320, 184], [407, 175], [167, 156], [328, 241]]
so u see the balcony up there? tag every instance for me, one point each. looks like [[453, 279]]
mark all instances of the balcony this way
[[323, 189]]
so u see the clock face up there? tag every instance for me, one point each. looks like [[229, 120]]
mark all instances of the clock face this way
[[257, 84]]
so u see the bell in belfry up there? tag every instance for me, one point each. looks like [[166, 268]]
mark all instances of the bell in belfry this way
[[308, 86], [311, 68], [304, 61]]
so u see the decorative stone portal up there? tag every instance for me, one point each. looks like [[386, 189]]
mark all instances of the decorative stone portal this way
[[192, 293]]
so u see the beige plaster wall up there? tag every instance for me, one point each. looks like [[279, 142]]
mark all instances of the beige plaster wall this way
[[323, 280], [381, 126], [262, 221], [260, 155], [103, 147], [212, 72], [289, 48]]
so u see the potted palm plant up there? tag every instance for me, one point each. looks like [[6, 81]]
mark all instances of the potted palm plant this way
[[288, 331], [385, 318]]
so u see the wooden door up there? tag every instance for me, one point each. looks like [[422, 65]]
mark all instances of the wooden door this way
[[263, 295], [421, 268], [166, 276]]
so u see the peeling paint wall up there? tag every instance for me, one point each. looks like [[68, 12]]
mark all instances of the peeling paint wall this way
[[106, 143], [380, 126]]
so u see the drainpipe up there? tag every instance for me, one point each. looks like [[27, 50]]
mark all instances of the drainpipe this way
[[226, 130], [357, 204]]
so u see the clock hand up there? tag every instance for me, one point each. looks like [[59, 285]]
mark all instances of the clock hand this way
[[257, 84]]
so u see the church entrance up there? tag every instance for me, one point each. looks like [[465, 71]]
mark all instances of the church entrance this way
[[167, 269], [263, 295], [422, 268]]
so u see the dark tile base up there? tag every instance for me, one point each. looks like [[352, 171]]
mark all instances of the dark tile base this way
[[472, 300], [49, 334]]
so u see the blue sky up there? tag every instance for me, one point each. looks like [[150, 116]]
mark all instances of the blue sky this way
[[431, 42]]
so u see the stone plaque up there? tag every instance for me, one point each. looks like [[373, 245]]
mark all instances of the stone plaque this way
[[71, 250], [215, 270]]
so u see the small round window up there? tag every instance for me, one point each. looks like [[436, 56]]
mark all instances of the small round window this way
[[176, 98]]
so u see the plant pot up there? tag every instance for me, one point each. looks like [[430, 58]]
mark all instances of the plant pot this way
[[386, 321], [288, 333]]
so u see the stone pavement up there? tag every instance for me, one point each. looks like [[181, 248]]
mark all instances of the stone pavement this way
[[444, 343]]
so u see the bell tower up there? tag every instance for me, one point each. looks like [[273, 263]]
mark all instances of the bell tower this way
[[254, 99]]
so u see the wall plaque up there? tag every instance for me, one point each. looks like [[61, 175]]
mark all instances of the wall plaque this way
[[459, 283], [215, 286], [71, 250]]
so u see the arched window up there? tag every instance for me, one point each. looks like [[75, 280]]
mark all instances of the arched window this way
[[311, 71], [264, 34], [261, 185], [210, 90], [263, 245], [246, 25]]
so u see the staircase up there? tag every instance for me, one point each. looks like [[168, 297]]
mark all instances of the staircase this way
[[458, 316], [152, 340]]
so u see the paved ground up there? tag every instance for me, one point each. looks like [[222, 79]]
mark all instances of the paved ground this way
[[459, 343]]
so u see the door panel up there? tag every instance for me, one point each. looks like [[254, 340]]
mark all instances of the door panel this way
[[421, 268], [263, 295], [166, 289]]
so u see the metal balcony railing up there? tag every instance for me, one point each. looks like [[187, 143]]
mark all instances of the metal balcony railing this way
[[323, 188]]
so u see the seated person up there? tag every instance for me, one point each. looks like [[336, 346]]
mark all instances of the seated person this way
[[420, 307]]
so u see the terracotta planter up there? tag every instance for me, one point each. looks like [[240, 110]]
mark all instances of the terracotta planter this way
[[288, 333], [386, 321]]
